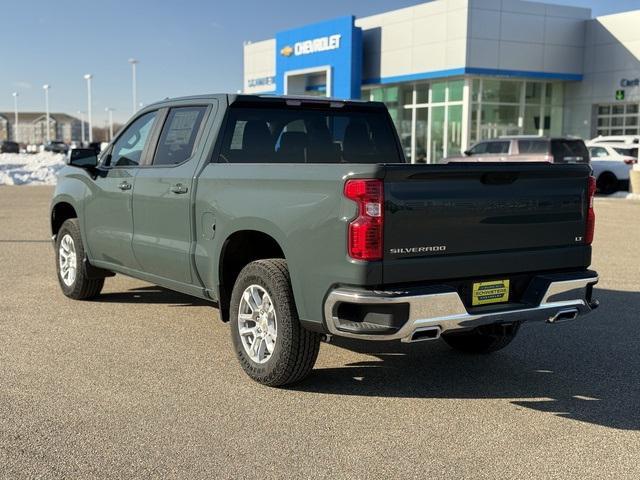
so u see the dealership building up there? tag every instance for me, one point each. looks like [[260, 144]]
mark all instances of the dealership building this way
[[452, 72]]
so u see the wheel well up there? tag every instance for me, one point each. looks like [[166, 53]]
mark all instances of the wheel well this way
[[240, 249], [60, 213]]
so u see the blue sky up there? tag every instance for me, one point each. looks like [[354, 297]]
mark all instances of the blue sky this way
[[184, 47]]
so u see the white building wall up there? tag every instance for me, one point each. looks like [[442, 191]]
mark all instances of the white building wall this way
[[612, 53], [526, 36], [430, 37], [259, 64]]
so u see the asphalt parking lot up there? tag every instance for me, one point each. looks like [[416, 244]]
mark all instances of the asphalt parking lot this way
[[142, 382]]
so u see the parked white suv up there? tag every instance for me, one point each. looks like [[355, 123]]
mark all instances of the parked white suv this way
[[633, 139], [611, 163]]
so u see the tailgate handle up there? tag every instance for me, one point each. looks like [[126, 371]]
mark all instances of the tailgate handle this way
[[499, 178]]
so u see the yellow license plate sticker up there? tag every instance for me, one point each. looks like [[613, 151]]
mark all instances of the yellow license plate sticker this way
[[495, 291]]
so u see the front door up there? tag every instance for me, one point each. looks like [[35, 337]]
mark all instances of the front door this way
[[108, 214], [162, 197]]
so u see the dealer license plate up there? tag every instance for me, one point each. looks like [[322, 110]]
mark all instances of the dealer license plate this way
[[495, 291]]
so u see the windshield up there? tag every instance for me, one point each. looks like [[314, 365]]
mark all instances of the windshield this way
[[318, 134]]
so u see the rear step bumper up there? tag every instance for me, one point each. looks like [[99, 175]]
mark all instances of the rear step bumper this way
[[439, 309]]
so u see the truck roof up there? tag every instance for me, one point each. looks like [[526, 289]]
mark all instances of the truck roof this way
[[253, 99]]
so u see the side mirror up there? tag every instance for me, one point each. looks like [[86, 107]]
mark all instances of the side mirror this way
[[468, 153], [83, 158]]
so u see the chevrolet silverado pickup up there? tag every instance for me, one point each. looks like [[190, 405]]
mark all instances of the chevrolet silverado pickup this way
[[301, 219]]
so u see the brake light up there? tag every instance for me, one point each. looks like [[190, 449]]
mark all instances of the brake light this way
[[630, 160], [591, 215], [365, 231]]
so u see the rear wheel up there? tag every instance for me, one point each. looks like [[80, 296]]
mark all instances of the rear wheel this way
[[485, 339], [272, 346], [72, 275], [607, 183]]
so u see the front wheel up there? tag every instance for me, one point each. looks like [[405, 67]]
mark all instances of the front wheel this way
[[486, 339], [72, 275], [272, 346]]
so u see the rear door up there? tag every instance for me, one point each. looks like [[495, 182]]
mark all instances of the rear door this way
[[162, 213]]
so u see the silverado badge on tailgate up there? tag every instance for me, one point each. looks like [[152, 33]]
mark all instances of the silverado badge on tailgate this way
[[495, 291]]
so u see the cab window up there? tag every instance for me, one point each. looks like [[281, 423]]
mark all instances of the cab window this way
[[479, 149], [178, 135], [127, 150], [498, 147], [598, 152]]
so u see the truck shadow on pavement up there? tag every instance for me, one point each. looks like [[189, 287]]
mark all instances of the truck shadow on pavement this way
[[153, 295], [586, 370]]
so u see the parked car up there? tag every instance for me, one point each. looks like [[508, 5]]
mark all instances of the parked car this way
[[611, 165], [300, 218], [526, 149], [56, 146], [633, 139], [9, 147]]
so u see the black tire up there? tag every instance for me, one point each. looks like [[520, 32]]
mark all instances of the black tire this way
[[486, 339], [607, 183], [296, 349], [82, 287]]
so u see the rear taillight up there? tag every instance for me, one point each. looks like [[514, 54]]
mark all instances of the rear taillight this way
[[630, 160], [591, 215], [365, 231]]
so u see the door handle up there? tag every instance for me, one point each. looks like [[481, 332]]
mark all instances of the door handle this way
[[124, 186], [179, 188]]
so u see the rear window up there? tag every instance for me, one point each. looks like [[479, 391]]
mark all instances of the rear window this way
[[284, 134], [533, 146], [629, 152], [569, 151]]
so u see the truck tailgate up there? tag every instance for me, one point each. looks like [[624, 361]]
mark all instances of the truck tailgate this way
[[489, 218]]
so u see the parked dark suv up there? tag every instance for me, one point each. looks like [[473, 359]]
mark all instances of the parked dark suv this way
[[526, 149], [56, 146], [9, 147]]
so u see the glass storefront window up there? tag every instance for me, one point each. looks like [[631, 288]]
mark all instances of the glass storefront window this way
[[533, 93], [555, 128], [499, 120], [531, 121], [437, 134], [454, 132], [475, 90], [422, 93], [422, 131], [503, 91], [404, 132], [455, 90], [438, 92]]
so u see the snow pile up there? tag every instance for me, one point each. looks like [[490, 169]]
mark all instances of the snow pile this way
[[30, 169]]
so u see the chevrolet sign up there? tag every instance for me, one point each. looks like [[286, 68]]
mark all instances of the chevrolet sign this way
[[306, 47]]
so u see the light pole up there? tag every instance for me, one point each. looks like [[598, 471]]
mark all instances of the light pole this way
[[134, 86], [110, 113], [88, 78], [15, 112], [81, 113], [46, 107]]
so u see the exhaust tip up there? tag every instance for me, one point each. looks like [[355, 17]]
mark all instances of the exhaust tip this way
[[564, 316], [430, 333]]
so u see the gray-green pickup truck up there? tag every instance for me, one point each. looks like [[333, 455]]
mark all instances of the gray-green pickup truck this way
[[301, 219]]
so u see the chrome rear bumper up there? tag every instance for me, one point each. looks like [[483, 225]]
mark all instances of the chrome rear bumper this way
[[442, 310]]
